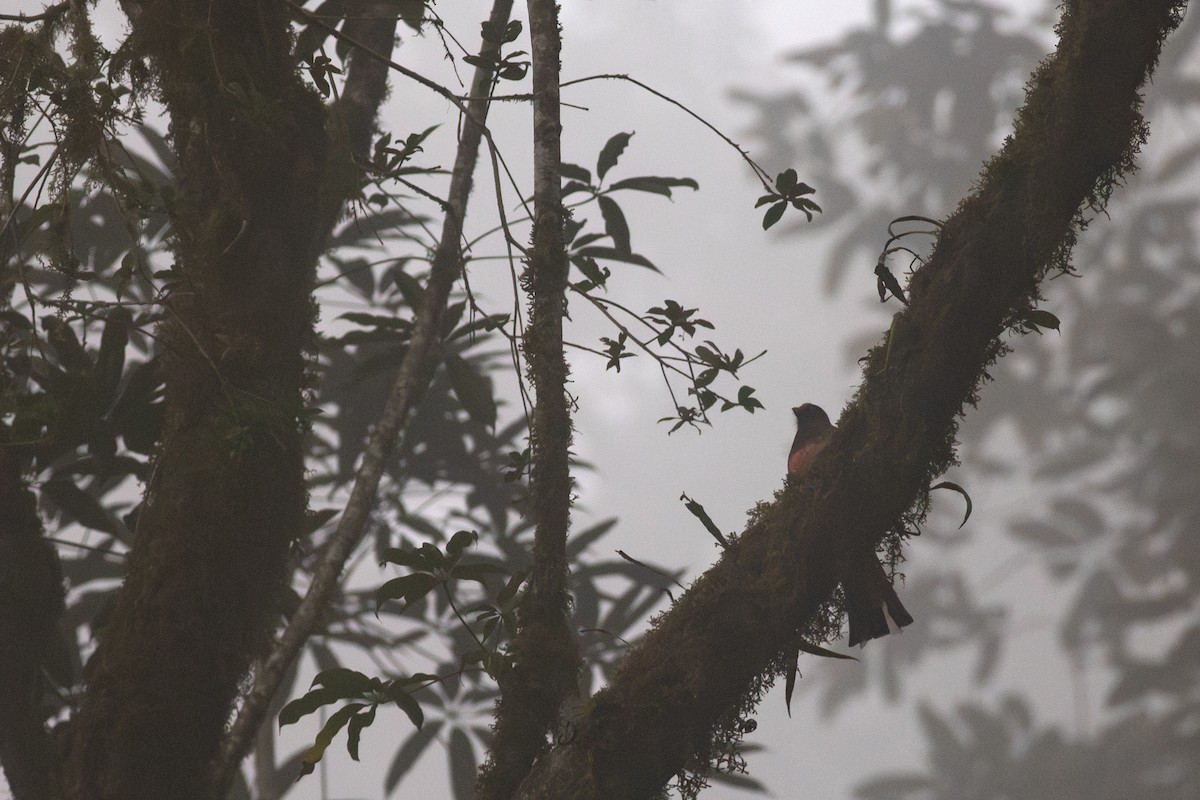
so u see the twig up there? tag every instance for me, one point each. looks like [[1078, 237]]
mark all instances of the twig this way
[[409, 386]]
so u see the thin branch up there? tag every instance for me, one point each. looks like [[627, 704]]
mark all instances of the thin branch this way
[[546, 654], [52, 11], [372, 53], [409, 386], [759, 172]]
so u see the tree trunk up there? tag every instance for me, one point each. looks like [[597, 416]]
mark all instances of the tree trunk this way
[[227, 496]]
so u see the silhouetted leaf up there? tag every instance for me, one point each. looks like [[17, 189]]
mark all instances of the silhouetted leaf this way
[[611, 152]]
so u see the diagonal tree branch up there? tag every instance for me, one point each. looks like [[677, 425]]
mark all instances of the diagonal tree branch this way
[[412, 379], [677, 698]]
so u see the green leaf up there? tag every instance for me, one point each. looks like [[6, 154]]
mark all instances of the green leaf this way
[[473, 389], [410, 288], [375, 336], [489, 322], [354, 732], [699, 513], [406, 703], [514, 71], [459, 542], [816, 650], [582, 540], [1036, 318], [336, 722], [41, 215], [571, 229], [954, 487], [654, 184], [773, 214], [575, 172], [571, 187], [451, 316], [346, 682], [17, 321], [786, 181], [886, 282], [745, 400], [303, 706], [614, 224], [501, 34], [408, 588], [611, 152], [595, 274], [789, 685], [613, 254], [408, 557], [136, 414]]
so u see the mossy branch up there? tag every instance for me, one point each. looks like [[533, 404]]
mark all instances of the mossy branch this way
[[546, 656], [677, 698]]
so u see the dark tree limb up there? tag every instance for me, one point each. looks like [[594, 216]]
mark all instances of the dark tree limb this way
[[546, 655], [679, 693], [31, 601], [228, 494]]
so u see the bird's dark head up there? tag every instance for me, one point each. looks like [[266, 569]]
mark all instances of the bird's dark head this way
[[812, 417], [813, 430]]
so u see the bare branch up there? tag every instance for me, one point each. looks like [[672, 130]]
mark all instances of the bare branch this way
[[412, 379], [51, 11]]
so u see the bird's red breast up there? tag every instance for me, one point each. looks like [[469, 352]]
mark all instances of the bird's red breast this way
[[813, 430]]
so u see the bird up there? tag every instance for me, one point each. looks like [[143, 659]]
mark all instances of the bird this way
[[872, 605]]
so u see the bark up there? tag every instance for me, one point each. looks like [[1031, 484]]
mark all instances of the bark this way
[[31, 579], [31, 601], [679, 694], [546, 655], [227, 496], [412, 379]]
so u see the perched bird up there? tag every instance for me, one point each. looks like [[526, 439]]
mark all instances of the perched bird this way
[[872, 605]]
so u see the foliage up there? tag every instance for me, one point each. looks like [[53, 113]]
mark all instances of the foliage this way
[[159, 303], [1099, 412], [88, 264]]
